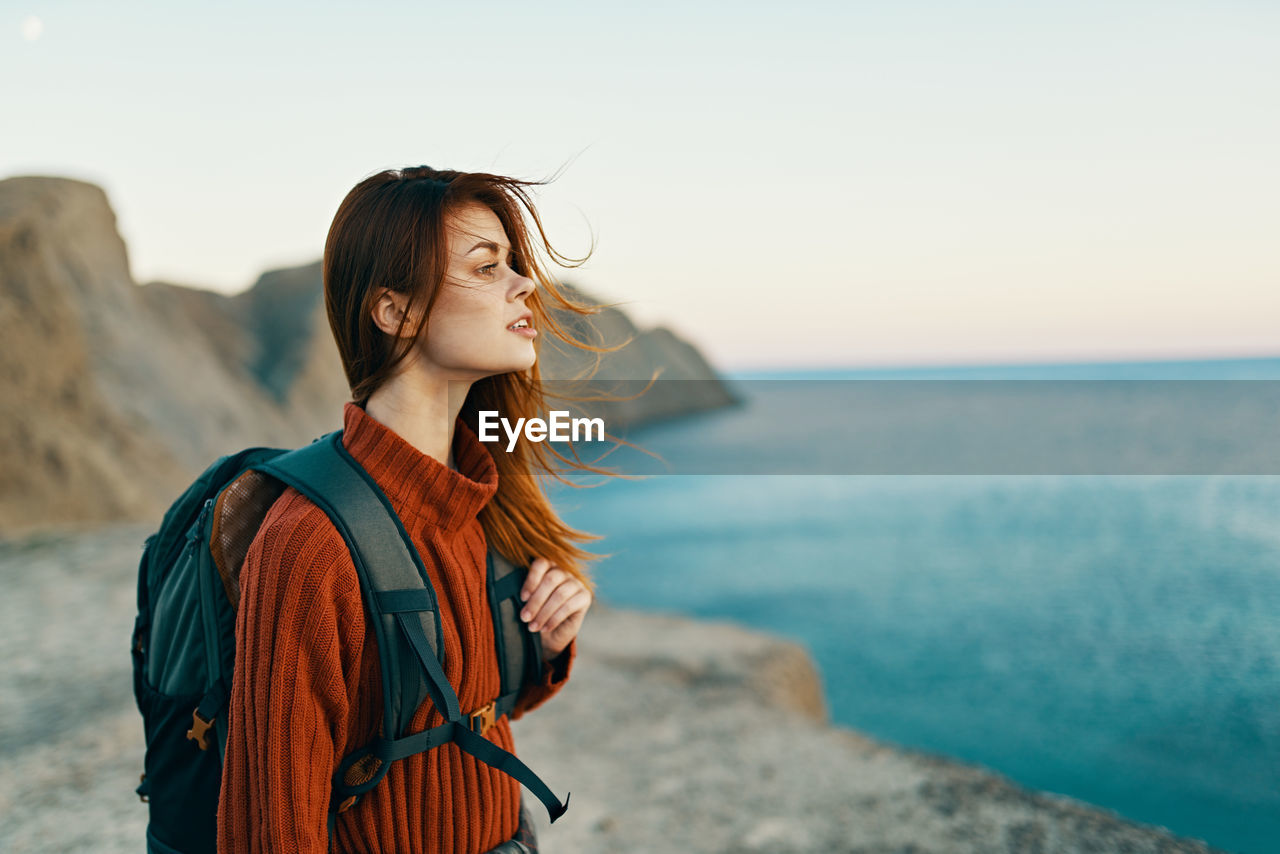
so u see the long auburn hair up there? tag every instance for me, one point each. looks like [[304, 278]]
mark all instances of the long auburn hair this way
[[390, 231]]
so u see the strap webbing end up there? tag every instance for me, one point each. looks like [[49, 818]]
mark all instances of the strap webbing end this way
[[563, 808]]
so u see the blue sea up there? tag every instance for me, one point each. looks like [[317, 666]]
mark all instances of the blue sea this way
[[1111, 638]]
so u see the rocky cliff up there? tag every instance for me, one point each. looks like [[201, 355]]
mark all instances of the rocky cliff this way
[[113, 395]]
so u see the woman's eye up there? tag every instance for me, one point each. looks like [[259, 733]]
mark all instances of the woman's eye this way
[[488, 269]]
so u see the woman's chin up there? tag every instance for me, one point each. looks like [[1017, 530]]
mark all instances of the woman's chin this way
[[528, 361], [518, 366]]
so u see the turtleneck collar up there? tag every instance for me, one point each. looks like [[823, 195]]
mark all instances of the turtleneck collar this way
[[422, 489]]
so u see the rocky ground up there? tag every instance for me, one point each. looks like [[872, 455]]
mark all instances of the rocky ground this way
[[673, 736]]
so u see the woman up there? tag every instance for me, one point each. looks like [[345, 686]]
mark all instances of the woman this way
[[434, 296]]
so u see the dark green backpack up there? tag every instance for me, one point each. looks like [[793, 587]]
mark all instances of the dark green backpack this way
[[184, 637]]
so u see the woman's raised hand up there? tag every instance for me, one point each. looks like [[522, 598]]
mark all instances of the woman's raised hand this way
[[555, 605]]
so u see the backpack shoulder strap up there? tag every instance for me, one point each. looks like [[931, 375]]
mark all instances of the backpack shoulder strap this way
[[519, 650], [396, 585]]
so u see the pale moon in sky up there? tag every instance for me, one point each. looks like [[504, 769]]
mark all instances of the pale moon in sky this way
[[31, 28]]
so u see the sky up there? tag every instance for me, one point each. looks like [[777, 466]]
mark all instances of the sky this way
[[784, 184]]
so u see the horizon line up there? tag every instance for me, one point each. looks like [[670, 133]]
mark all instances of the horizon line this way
[[961, 363]]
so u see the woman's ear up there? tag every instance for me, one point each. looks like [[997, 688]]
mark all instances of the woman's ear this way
[[389, 310]]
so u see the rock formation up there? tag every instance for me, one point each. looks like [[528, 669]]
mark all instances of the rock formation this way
[[115, 395]]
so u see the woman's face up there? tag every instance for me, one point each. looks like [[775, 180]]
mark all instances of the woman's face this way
[[469, 334]]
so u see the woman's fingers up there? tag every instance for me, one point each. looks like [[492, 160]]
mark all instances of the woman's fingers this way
[[573, 608], [557, 586], [564, 625], [537, 570], [555, 604]]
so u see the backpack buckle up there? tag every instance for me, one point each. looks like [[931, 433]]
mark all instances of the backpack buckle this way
[[199, 730], [484, 717]]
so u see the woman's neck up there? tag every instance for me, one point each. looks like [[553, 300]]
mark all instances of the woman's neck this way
[[421, 409]]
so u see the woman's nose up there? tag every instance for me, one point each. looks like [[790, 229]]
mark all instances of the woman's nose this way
[[524, 286]]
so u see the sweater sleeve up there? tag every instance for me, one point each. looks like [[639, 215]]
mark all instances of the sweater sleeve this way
[[554, 675], [298, 627]]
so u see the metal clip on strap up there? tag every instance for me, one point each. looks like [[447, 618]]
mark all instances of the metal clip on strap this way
[[483, 719]]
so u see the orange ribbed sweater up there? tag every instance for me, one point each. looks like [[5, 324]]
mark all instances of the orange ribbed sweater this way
[[307, 686]]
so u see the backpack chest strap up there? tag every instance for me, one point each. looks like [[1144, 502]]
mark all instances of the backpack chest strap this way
[[461, 733]]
